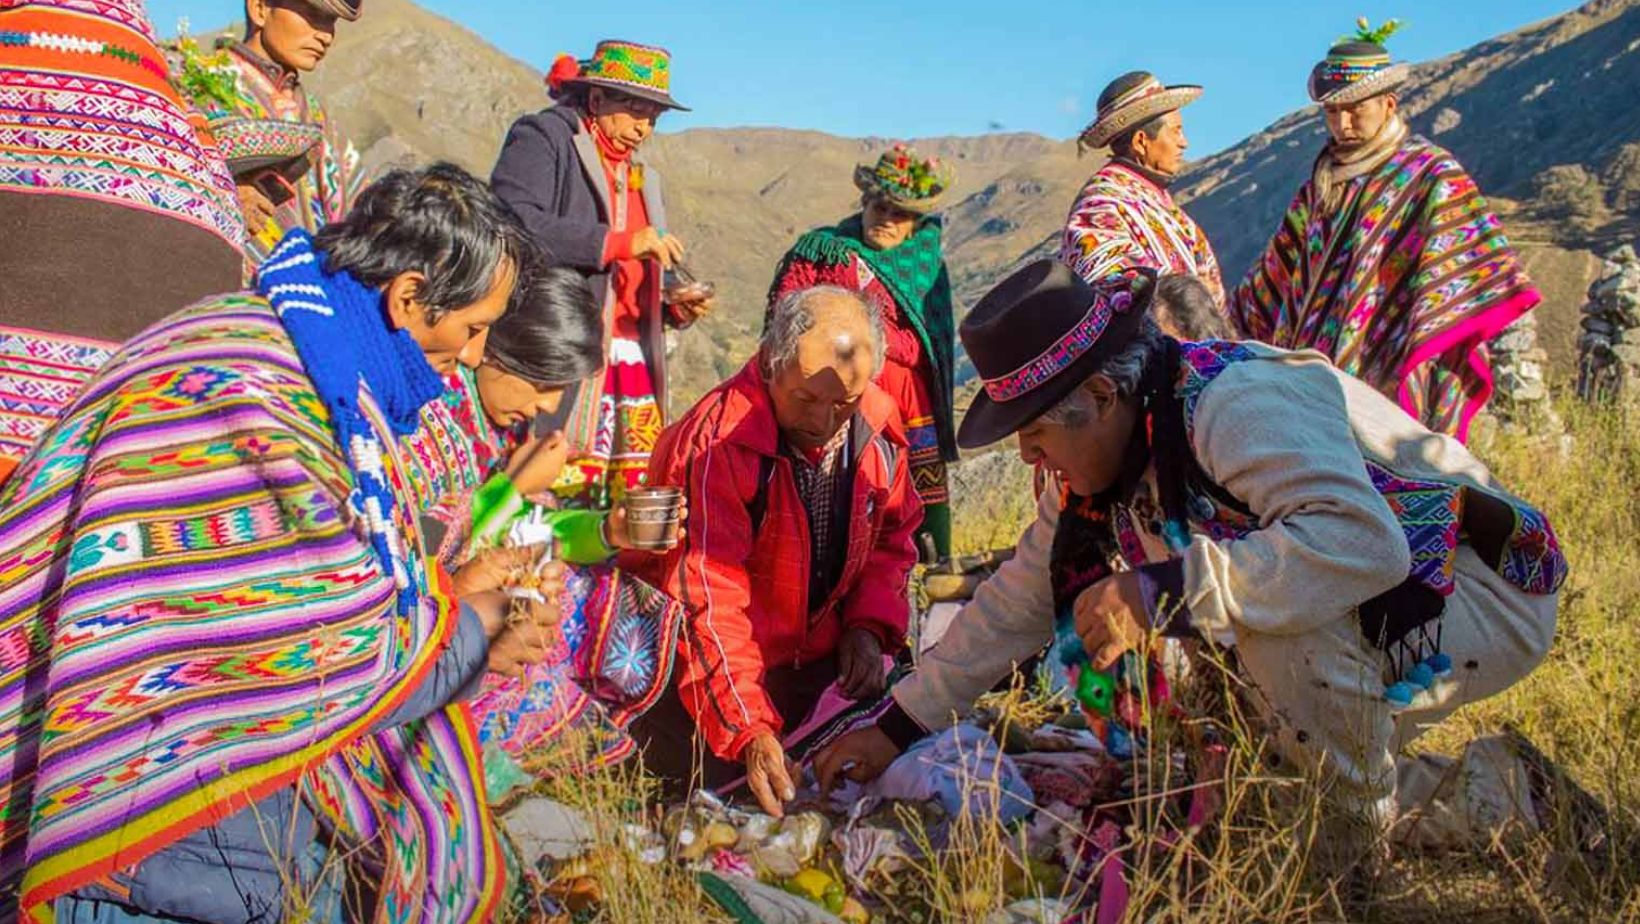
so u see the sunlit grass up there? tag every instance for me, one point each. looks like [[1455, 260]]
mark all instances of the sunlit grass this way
[[1260, 860]]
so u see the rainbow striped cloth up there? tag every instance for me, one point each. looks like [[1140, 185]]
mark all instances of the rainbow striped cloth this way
[[41, 374]]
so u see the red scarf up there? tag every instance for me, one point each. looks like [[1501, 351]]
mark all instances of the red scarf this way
[[607, 150], [627, 273]]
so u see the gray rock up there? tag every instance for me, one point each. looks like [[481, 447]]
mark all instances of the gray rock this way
[[544, 829]]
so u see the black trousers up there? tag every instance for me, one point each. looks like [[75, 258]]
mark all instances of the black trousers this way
[[672, 747]]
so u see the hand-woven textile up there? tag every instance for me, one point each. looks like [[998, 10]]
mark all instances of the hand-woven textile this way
[[324, 193], [1121, 220], [40, 375], [192, 615], [1402, 287], [86, 110]]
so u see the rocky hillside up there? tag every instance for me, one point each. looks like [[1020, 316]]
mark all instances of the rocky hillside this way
[[1545, 117]]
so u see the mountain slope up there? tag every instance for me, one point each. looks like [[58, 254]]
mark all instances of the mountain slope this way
[[1544, 117]]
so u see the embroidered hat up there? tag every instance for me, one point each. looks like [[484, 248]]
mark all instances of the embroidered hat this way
[[1358, 66], [643, 71], [90, 112], [1039, 334], [252, 145], [1132, 100], [912, 183]]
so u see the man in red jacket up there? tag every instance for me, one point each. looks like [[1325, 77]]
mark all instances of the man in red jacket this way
[[793, 564]]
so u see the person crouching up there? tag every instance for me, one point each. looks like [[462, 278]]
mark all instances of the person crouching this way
[[1255, 498], [793, 566]]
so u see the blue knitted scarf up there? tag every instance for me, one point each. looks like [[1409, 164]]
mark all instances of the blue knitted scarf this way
[[340, 330]]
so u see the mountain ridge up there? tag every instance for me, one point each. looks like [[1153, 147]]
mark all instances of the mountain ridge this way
[[1537, 115]]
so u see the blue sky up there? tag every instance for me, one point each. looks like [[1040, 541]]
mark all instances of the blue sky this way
[[859, 68]]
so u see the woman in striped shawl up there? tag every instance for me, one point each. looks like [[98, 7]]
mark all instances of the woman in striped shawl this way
[[227, 673]]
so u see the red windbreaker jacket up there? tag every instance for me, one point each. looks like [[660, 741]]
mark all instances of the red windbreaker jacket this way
[[748, 596]]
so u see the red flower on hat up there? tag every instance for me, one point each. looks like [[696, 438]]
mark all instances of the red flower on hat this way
[[564, 69]]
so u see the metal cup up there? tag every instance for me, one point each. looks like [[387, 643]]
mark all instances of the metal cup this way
[[652, 516]]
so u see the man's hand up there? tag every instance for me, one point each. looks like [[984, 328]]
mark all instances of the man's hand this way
[[1110, 618], [494, 569], [529, 636], [255, 206], [534, 466], [769, 774], [688, 313], [861, 755], [860, 671], [650, 243]]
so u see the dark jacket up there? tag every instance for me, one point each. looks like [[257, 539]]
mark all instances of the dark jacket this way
[[550, 174]]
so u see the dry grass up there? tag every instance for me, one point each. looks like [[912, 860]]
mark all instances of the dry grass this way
[[1260, 860]]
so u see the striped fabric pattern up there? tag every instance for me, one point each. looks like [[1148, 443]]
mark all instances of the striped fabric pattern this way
[[191, 618], [40, 374], [1122, 220], [1402, 288], [85, 111]]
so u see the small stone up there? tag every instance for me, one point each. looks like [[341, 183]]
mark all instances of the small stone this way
[[544, 829], [1515, 341]]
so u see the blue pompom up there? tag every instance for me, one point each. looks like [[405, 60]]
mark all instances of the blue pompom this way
[[1421, 675], [1440, 663], [1399, 695]]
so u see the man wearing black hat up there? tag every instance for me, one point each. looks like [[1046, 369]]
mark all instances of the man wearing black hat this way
[[1250, 497], [1388, 260]]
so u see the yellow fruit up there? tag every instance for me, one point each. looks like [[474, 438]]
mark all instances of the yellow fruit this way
[[811, 884], [854, 913], [720, 836]]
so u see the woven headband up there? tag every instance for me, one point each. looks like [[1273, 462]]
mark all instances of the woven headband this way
[[1071, 346]]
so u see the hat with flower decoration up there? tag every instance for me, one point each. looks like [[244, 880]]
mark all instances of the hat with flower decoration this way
[[637, 70], [1038, 335], [1358, 66], [1132, 100], [913, 183]]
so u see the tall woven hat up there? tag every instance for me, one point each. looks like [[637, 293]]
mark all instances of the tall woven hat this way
[[92, 114], [1132, 100], [1358, 66], [644, 71], [915, 184]]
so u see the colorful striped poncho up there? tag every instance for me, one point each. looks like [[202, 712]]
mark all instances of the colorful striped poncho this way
[[192, 617], [619, 634], [1402, 288], [1122, 219]]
